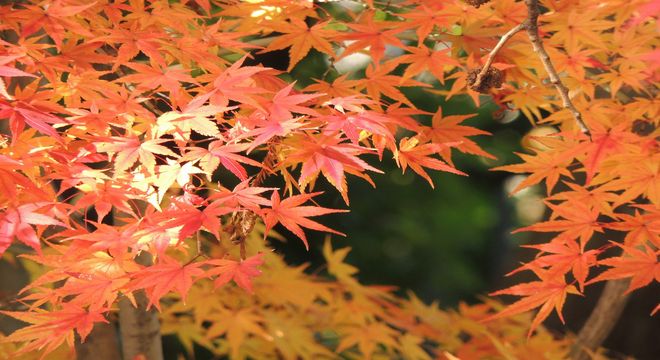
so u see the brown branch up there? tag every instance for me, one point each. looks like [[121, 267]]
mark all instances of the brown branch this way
[[531, 25], [604, 316], [496, 49]]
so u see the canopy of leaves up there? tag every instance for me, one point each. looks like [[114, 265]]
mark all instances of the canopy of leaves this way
[[139, 109]]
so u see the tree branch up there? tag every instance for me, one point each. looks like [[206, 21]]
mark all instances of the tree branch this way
[[604, 316], [496, 49], [531, 25]]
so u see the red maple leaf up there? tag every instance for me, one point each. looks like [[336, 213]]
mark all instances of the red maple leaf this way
[[17, 222], [168, 274], [48, 330], [329, 155]]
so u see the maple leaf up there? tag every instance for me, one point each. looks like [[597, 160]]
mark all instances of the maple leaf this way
[[638, 177], [330, 156], [218, 153], [542, 165], [367, 337], [411, 153], [236, 324], [640, 264], [17, 221], [284, 104], [166, 175], [339, 87], [426, 18], [374, 35], [155, 77], [9, 71], [55, 20], [578, 221], [300, 39], [167, 275], [236, 83], [126, 151], [603, 143], [335, 261], [99, 291], [548, 293], [379, 81], [422, 58], [48, 330], [134, 40], [103, 196], [241, 272], [294, 217], [595, 198], [21, 113], [279, 119], [577, 27], [243, 195], [639, 227], [353, 125], [194, 116], [447, 130], [270, 128], [563, 255]]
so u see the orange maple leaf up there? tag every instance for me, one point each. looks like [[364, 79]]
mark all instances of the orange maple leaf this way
[[563, 255], [447, 130], [372, 34], [547, 293], [411, 153], [242, 272], [578, 221], [641, 266], [301, 39]]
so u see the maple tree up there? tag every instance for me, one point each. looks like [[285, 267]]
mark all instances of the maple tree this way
[[143, 161]]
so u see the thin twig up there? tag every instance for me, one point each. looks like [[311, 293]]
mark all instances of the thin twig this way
[[531, 25], [613, 298], [496, 49]]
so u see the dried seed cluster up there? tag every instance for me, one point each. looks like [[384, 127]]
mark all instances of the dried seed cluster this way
[[643, 128], [476, 3], [493, 78]]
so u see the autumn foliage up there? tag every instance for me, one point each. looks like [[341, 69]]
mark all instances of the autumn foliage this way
[[136, 130]]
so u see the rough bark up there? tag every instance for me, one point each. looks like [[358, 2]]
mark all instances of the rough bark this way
[[140, 330], [101, 344]]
